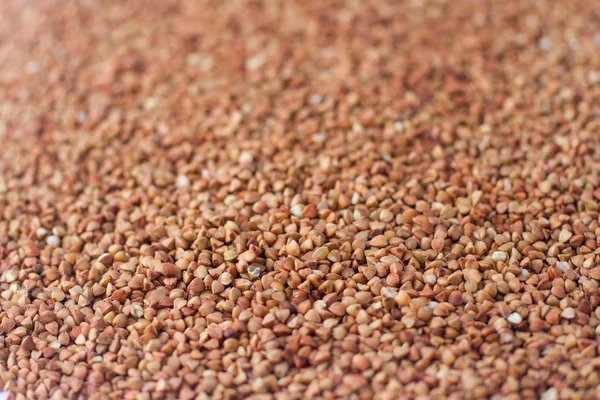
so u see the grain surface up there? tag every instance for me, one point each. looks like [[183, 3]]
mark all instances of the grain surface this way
[[286, 200]]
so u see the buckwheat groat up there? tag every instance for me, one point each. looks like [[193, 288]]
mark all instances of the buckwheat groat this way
[[288, 200]]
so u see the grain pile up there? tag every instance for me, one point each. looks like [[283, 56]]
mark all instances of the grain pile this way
[[328, 199]]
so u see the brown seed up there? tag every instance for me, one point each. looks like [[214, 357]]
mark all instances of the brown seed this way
[[471, 274], [403, 298], [476, 197], [136, 283], [360, 362], [30, 248], [386, 216], [455, 298], [321, 253], [27, 343], [312, 316], [437, 244], [379, 241], [171, 270], [120, 321], [196, 286], [338, 309], [568, 313], [553, 316], [106, 259], [119, 295], [217, 287], [248, 256], [293, 248], [595, 273], [564, 236]]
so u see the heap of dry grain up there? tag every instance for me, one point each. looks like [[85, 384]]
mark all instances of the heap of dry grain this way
[[368, 200]]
